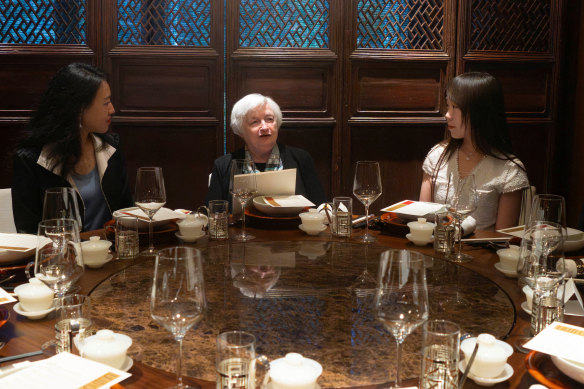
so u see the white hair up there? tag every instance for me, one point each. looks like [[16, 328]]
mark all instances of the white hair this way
[[246, 104]]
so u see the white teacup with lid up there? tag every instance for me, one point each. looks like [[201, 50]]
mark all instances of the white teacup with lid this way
[[312, 221], [106, 347], [34, 296], [421, 229], [192, 225], [95, 251], [509, 257], [294, 372], [491, 356]]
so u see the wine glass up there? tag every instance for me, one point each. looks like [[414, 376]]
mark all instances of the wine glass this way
[[541, 266], [548, 207], [149, 196], [367, 188], [58, 259], [464, 202], [61, 203], [401, 300], [242, 185], [177, 300]]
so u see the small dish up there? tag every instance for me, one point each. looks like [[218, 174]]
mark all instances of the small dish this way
[[97, 265], [189, 240], [572, 369], [504, 376], [418, 242], [128, 363], [525, 308], [301, 226], [32, 315], [508, 273]]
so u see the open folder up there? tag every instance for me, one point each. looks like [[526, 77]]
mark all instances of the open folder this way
[[271, 183]]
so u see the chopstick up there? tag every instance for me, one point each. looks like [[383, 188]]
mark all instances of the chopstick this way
[[138, 216], [468, 365], [20, 356], [14, 248]]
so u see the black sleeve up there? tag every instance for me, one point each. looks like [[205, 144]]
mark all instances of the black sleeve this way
[[27, 195], [219, 185], [312, 185]]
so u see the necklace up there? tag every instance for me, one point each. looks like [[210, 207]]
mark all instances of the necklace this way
[[468, 156]]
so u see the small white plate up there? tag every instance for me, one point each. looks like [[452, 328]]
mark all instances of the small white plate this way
[[97, 265], [418, 242], [504, 376], [32, 315], [189, 240], [128, 363], [508, 273], [301, 226], [525, 307]]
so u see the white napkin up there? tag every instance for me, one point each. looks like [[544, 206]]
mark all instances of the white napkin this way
[[469, 224], [289, 201], [162, 214], [5, 297]]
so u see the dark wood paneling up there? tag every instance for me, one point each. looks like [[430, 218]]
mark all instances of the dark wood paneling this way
[[10, 133], [301, 89], [186, 155], [390, 89], [163, 87], [527, 86], [400, 151]]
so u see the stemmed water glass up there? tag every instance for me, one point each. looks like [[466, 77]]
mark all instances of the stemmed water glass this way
[[61, 203], [548, 207], [367, 188], [177, 300], [464, 202], [242, 185], [149, 196], [401, 300]]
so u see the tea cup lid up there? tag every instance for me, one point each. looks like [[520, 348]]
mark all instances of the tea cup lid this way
[[193, 219], [294, 369], [106, 343], [95, 244], [312, 214], [34, 288], [421, 224]]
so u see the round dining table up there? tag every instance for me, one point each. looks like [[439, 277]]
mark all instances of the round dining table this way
[[296, 293]]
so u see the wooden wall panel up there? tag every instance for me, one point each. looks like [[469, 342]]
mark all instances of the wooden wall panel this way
[[301, 89], [185, 153], [400, 150], [390, 89], [163, 88]]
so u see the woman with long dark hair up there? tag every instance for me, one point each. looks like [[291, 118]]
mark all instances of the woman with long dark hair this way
[[69, 145], [478, 143]]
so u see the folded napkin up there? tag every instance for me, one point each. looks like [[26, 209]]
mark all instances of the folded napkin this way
[[468, 225], [162, 214], [288, 201]]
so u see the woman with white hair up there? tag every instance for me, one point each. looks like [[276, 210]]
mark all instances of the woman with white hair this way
[[257, 119]]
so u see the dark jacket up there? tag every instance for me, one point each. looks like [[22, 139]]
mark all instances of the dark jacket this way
[[307, 182], [31, 178]]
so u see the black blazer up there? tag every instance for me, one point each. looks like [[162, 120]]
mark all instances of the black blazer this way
[[30, 180], [307, 182]]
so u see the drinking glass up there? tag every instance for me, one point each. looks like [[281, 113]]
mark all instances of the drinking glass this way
[[464, 202], [178, 301], [149, 196], [548, 207], [440, 350], [61, 203], [58, 258], [367, 188], [235, 355], [401, 300], [242, 186], [541, 255]]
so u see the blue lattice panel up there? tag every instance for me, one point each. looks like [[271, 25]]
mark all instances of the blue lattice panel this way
[[284, 23], [172, 22], [43, 22]]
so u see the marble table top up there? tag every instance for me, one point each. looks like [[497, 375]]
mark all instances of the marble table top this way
[[298, 296]]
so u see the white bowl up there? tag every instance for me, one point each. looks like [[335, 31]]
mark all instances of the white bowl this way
[[142, 223], [95, 251], [573, 245], [261, 205], [509, 257], [420, 242], [106, 347], [572, 369], [312, 231]]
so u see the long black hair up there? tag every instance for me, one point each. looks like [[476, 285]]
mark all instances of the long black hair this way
[[480, 99], [57, 120]]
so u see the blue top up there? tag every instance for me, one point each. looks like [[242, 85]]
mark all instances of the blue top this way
[[96, 209]]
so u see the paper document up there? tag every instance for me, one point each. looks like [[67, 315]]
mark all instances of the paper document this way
[[560, 339]]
